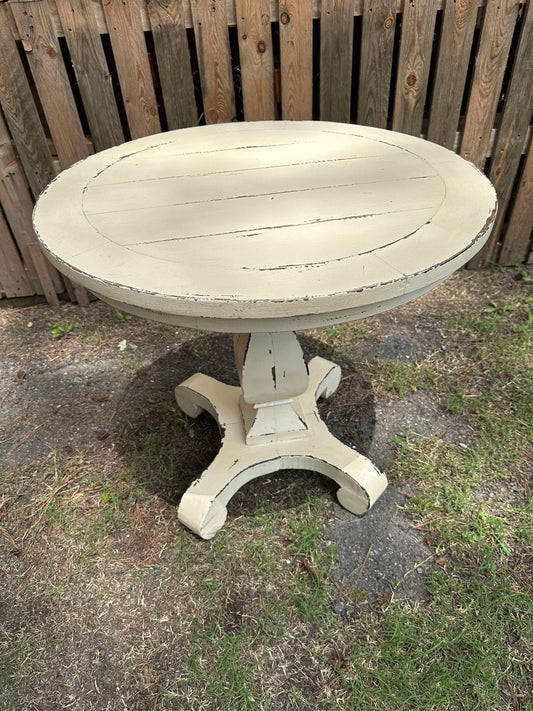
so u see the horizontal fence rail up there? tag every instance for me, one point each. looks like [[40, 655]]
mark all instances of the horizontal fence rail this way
[[79, 76]]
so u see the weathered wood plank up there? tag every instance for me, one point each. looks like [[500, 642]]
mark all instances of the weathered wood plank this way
[[92, 73], [377, 45], [296, 48], [20, 111], [494, 48], [336, 48], [457, 34], [131, 58], [509, 144], [230, 9], [17, 205], [13, 278], [214, 58], [257, 64], [53, 87], [520, 227], [51, 80], [413, 66], [173, 61]]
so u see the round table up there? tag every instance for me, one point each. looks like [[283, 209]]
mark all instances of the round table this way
[[260, 229]]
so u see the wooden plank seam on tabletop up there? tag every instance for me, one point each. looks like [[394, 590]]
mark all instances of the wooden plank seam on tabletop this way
[[41, 22], [206, 220]]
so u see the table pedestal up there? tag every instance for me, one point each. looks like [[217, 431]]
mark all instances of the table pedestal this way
[[270, 423]]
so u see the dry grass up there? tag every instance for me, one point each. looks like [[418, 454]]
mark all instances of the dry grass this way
[[107, 603]]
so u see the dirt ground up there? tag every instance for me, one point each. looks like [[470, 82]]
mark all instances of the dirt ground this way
[[102, 395]]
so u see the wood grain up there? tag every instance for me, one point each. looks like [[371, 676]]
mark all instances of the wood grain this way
[[457, 34], [508, 147], [230, 10], [214, 57], [377, 46], [173, 62], [336, 48], [491, 61], [518, 235], [257, 63], [13, 278], [129, 48], [53, 86], [17, 206], [296, 49], [418, 24], [20, 111], [51, 80], [82, 35]]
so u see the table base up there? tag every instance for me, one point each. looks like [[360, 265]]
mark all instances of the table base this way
[[203, 506]]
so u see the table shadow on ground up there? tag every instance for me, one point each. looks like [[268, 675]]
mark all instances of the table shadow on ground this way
[[168, 450]]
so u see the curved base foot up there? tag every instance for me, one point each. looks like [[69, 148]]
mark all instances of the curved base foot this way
[[202, 514], [203, 506]]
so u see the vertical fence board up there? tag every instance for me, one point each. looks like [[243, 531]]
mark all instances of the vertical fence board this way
[[39, 23], [51, 80], [13, 278], [296, 49], [520, 227], [377, 46], [257, 62], [413, 67], [173, 61], [509, 143], [494, 48], [21, 113], [131, 58], [336, 48], [457, 34], [214, 57], [17, 205], [92, 73]]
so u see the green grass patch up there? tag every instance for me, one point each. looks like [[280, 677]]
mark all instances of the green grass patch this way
[[464, 650], [401, 377]]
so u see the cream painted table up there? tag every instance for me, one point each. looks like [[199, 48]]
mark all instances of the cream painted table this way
[[260, 229]]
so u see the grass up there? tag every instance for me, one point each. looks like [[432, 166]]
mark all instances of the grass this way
[[457, 652], [115, 605], [402, 377]]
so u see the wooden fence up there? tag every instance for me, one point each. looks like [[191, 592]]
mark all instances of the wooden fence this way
[[78, 76]]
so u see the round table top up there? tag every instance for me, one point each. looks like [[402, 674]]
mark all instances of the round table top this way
[[265, 225]]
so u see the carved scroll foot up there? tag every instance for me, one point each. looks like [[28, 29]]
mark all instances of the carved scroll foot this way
[[203, 506]]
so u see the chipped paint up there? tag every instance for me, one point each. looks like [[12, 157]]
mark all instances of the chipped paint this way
[[250, 284]]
